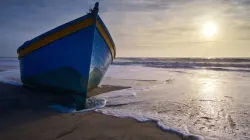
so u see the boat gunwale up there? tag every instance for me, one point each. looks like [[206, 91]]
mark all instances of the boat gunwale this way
[[52, 32], [107, 31]]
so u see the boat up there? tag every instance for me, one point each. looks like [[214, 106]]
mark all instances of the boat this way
[[71, 58]]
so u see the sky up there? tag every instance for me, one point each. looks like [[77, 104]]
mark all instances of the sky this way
[[140, 28]]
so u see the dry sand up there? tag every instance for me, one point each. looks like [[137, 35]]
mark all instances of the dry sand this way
[[24, 116]]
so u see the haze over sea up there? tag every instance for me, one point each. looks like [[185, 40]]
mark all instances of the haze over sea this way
[[204, 97]]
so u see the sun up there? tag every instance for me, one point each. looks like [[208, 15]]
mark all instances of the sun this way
[[209, 29]]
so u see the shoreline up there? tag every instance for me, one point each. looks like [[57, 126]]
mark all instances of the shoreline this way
[[90, 125], [24, 115]]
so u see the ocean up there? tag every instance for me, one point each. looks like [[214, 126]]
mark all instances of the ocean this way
[[205, 97]]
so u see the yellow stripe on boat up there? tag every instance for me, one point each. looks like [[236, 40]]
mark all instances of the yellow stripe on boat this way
[[66, 31], [55, 36], [106, 38]]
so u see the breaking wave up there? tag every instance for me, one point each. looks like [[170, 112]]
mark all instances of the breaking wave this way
[[218, 64]]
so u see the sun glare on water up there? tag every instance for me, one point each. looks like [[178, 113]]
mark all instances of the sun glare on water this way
[[209, 29]]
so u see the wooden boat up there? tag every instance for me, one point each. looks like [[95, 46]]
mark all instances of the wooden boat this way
[[70, 58]]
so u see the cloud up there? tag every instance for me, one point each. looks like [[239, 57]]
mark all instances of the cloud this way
[[132, 23]]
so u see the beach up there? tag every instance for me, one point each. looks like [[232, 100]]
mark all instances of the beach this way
[[125, 70], [29, 119], [87, 126], [145, 99]]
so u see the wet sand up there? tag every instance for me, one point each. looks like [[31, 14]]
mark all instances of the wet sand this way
[[24, 116]]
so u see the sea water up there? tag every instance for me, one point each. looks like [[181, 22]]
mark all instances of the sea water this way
[[208, 98]]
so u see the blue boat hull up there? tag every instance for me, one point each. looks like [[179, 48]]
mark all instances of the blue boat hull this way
[[71, 58]]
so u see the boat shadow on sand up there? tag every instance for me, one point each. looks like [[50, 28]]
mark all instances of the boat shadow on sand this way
[[19, 105]]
